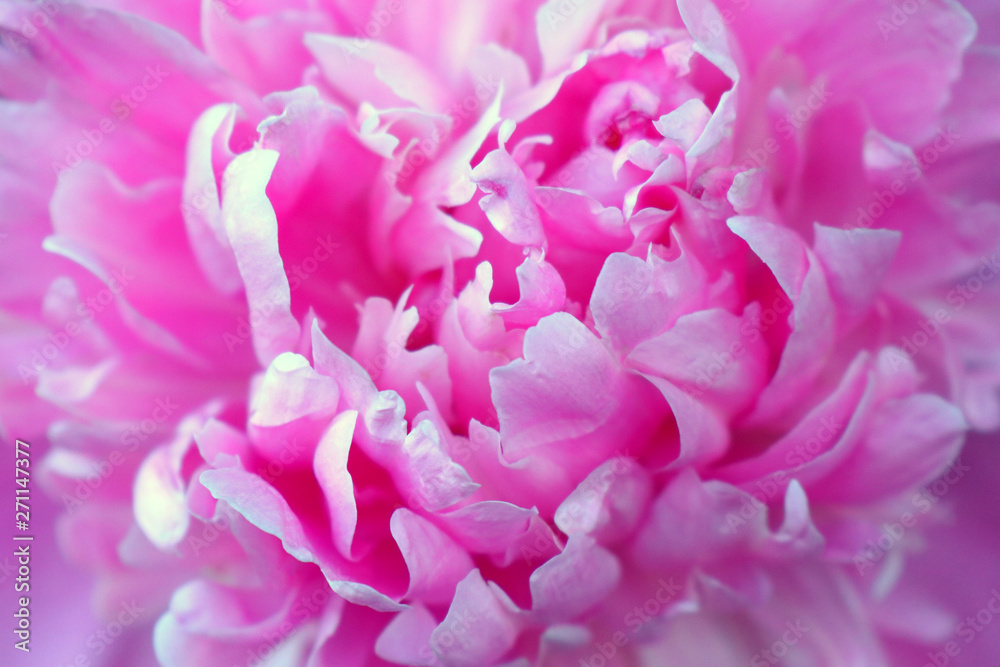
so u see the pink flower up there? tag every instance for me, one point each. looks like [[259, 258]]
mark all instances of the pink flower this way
[[462, 334]]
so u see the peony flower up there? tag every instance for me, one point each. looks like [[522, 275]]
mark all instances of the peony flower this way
[[535, 333]]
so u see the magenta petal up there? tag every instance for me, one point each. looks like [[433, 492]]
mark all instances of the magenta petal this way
[[290, 390], [692, 521], [208, 151], [330, 465], [542, 293], [381, 348], [855, 262], [160, 503], [263, 506], [407, 638], [908, 443], [608, 503], [509, 203], [429, 478], [568, 388], [488, 526], [477, 630], [503, 333], [253, 234], [435, 562], [812, 315], [573, 582], [634, 300], [707, 354], [396, 74]]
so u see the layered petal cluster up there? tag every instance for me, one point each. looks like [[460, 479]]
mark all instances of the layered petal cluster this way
[[454, 333]]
